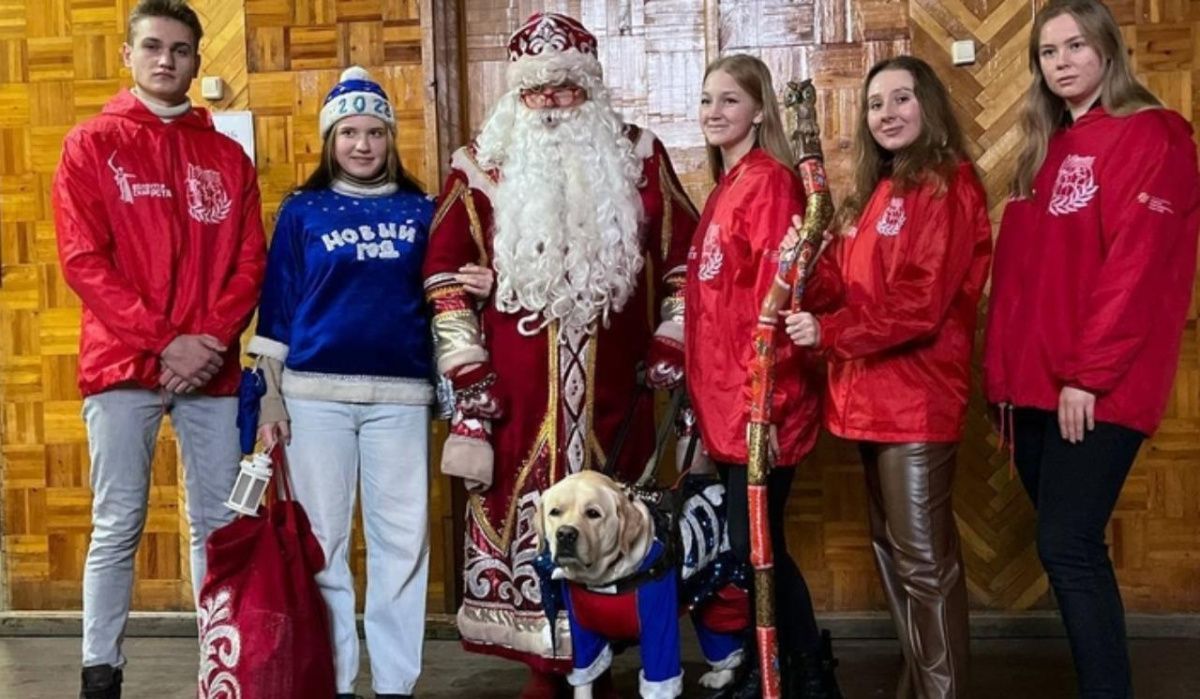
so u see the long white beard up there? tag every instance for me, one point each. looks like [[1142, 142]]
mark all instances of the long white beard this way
[[567, 239]]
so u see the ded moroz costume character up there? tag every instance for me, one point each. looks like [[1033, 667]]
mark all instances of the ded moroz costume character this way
[[586, 225]]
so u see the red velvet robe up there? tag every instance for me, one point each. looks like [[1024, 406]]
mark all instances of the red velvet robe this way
[[564, 402]]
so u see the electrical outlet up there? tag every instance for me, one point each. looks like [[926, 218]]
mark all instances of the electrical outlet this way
[[963, 52]]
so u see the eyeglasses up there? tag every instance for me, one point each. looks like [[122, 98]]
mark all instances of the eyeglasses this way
[[552, 96]]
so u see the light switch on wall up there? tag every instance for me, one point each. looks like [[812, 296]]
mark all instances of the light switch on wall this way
[[212, 87], [963, 52]]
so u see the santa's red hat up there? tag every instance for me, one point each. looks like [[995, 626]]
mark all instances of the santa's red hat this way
[[548, 48]]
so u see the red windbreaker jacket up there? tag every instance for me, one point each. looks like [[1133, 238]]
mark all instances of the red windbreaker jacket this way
[[1094, 272], [913, 267], [160, 233], [732, 263]]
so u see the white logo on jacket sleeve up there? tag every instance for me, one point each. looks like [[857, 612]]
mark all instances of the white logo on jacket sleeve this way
[[1156, 204], [893, 218], [1075, 185], [220, 648], [128, 189], [711, 257], [208, 202]]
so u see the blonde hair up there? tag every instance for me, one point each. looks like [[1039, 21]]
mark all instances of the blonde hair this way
[[1043, 112], [753, 76], [934, 155]]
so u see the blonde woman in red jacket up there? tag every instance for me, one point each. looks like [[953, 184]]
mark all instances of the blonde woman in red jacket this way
[[913, 256], [732, 263], [1095, 263]]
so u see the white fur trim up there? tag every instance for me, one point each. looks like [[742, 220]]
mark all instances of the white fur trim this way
[[476, 177], [592, 672], [670, 329], [644, 148], [729, 662], [550, 67], [266, 347], [667, 689], [356, 389]]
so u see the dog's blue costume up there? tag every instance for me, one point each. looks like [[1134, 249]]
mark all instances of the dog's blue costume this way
[[645, 607]]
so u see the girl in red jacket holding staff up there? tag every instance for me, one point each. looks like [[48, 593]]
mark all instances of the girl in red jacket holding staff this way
[[732, 263], [913, 256], [1095, 263]]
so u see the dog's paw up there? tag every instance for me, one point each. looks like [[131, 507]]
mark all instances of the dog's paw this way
[[716, 679]]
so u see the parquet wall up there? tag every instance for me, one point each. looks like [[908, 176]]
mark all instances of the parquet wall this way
[[59, 62]]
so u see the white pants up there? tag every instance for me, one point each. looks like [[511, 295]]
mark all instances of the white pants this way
[[333, 444], [122, 428]]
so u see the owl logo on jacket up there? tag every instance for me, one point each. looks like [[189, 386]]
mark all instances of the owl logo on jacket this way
[[1075, 186], [893, 218], [711, 257], [208, 202]]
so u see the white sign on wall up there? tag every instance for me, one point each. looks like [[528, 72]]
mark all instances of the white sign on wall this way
[[239, 126]]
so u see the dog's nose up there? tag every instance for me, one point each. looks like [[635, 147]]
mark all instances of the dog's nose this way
[[567, 535]]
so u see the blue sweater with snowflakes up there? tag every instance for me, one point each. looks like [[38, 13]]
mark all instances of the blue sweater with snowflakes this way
[[342, 305]]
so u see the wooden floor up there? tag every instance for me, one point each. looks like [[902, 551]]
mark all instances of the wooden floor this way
[[163, 668]]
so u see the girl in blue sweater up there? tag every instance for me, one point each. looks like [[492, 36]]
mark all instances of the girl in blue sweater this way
[[343, 338]]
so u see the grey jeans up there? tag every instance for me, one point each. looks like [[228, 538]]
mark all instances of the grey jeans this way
[[122, 428]]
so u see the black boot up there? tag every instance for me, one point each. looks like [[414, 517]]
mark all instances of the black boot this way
[[751, 685], [100, 682], [802, 678], [828, 666], [747, 684]]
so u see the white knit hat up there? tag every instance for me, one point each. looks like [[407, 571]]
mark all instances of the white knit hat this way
[[356, 94]]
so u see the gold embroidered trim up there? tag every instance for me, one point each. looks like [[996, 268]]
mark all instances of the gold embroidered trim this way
[[546, 438], [444, 208], [476, 229]]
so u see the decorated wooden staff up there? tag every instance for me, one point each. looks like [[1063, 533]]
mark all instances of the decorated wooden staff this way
[[794, 266]]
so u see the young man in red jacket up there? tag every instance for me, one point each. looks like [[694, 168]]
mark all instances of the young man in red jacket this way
[[160, 234]]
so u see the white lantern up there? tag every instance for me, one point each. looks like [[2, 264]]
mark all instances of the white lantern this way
[[251, 484]]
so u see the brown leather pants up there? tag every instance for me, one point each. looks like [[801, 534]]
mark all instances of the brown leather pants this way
[[915, 541]]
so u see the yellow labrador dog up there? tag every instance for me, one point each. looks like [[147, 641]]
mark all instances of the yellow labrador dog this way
[[619, 585]]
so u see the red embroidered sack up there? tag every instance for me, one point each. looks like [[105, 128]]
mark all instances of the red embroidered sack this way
[[264, 630]]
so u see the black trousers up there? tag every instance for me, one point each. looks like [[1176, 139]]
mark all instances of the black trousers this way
[[794, 619], [1074, 488]]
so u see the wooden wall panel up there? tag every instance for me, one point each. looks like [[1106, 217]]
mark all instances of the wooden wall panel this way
[[59, 63]]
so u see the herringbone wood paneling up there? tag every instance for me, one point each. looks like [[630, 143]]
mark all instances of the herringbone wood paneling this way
[[59, 63], [1154, 530]]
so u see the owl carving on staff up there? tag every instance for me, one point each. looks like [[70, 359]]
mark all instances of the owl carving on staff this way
[[800, 99]]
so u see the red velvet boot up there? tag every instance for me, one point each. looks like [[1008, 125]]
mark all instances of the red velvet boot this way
[[545, 685]]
